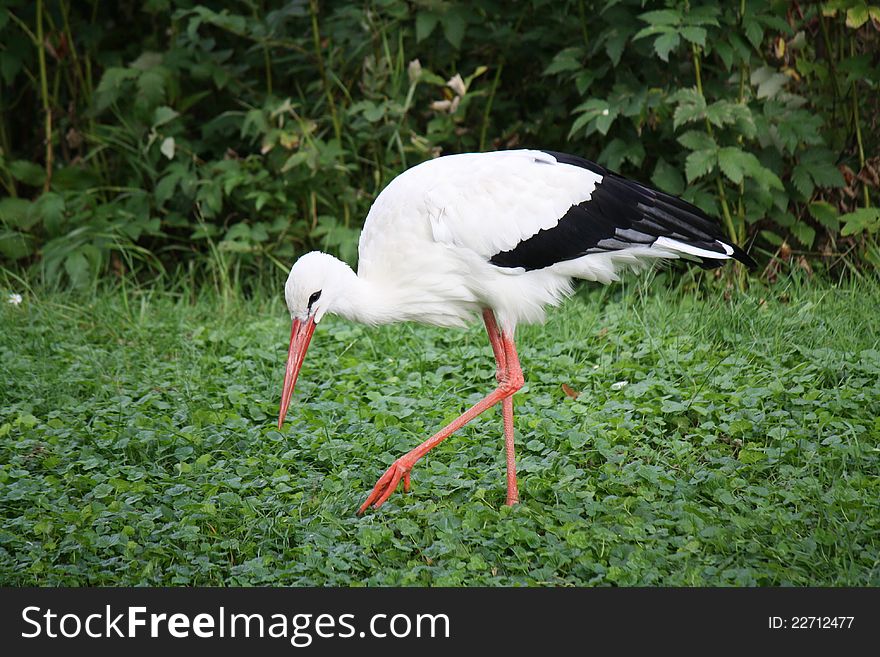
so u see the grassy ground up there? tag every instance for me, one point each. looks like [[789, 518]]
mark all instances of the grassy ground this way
[[138, 444]]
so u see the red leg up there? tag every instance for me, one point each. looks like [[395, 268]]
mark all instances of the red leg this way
[[510, 381], [512, 489], [506, 404], [495, 340]]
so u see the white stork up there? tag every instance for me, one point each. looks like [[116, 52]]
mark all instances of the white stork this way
[[500, 235]]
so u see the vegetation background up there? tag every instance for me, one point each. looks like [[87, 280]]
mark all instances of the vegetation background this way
[[170, 137], [162, 164]]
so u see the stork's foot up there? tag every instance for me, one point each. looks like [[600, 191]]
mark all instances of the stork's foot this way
[[387, 483]]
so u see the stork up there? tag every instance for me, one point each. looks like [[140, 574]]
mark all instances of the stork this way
[[500, 235]]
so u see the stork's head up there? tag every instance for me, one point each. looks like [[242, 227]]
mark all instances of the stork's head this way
[[315, 285]]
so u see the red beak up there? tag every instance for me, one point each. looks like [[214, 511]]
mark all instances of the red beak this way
[[300, 335]]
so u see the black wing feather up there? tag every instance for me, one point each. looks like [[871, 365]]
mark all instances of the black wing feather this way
[[619, 214]]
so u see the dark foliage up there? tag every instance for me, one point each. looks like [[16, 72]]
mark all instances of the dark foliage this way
[[172, 136]]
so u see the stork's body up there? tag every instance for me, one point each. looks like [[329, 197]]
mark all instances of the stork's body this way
[[499, 235]]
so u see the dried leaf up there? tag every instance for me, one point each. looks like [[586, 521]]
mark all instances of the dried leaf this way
[[570, 392]]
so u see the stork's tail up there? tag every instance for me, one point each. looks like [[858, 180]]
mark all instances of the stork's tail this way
[[708, 259], [635, 216], [679, 226]]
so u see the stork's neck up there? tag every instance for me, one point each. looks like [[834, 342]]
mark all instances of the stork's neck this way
[[431, 298], [363, 301]]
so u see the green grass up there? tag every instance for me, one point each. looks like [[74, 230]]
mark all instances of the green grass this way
[[138, 444]]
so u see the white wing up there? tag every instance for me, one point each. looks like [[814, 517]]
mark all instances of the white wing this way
[[485, 202], [493, 203]]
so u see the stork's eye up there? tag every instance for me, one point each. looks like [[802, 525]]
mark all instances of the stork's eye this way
[[315, 296]]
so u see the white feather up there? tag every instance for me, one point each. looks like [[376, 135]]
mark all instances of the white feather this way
[[486, 202], [674, 245], [425, 248]]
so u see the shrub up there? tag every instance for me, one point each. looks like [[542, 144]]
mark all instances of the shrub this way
[[160, 135]]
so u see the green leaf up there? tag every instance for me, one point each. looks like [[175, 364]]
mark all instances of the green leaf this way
[[151, 87], [754, 32], [454, 27], [426, 21], [691, 107], [110, 86], [799, 127], [594, 110], [697, 140], [210, 198], [605, 120], [768, 81], [725, 52], [16, 212], [731, 162], [15, 245], [254, 124], [298, 158], [744, 121], [665, 43], [577, 439], [736, 163], [825, 214], [27, 172], [49, 208], [857, 16], [618, 151], [704, 15], [825, 174], [772, 237], [816, 167], [721, 112], [568, 59], [863, 219], [766, 178], [373, 112], [859, 68], [652, 30], [430, 77], [165, 188], [662, 17], [667, 178], [725, 112], [162, 115], [147, 60], [615, 44], [694, 35], [800, 178], [804, 233], [583, 80], [751, 456], [703, 198], [10, 65], [785, 219], [699, 163], [741, 49], [77, 267]]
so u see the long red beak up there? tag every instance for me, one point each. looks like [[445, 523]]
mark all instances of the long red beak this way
[[300, 336]]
